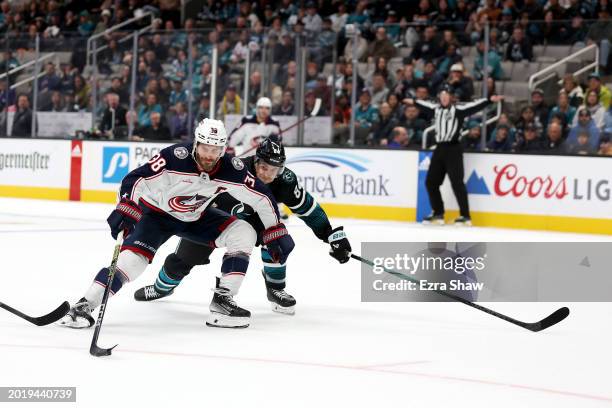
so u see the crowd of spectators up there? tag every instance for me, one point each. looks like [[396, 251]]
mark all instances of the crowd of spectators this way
[[433, 33]]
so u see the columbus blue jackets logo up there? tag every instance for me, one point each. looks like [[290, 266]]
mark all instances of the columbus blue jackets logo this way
[[181, 152], [187, 203], [238, 164]]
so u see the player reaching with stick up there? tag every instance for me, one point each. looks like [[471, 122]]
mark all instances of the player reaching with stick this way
[[268, 164], [172, 195]]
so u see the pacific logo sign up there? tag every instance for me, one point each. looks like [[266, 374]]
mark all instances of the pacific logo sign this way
[[115, 164], [343, 174]]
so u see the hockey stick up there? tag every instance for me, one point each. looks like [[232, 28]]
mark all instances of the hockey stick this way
[[314, 112], [95, 350], [42, 320], [545, 323]]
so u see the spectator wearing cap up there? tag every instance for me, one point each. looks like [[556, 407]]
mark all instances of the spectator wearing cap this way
[[472, 140], [427, 48], [378, 90], [605, 149], [86, 26], [286, 107], [494, 66], [104, 23], [231, 104], [152, 131], [500, 140], [539, 106], [603, 91], [178, 122], [553, 142], [585, 123], [597, 111], [313, 23], [365, 117], [461, 86], [382, 46], [527, 118], [582, 145], [530, 141], [384, 125], [69, 102], [146, 109], [563, 109], [519, 48], [178, 94]]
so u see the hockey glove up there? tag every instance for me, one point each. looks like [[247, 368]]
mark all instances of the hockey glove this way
[[278, 242], [124, 217], [340, 246]]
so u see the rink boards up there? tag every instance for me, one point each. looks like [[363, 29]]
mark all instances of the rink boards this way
[[559, 193]]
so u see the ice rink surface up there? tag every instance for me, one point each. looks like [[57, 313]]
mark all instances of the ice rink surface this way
[[335, 352]]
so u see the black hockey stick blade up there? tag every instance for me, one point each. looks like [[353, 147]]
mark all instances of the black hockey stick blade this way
[[97, 351], [49, 318], [548, 321]]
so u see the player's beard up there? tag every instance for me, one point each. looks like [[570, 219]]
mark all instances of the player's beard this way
[[206, 164]]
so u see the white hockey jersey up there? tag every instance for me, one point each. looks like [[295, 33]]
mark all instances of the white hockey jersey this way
[[245, 139], [171, 183]]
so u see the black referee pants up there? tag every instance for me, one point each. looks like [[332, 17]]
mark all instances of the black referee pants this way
[[447, 158]]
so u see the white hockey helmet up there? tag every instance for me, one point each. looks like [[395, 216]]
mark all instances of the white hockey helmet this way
[[264, 102], [210, 132]]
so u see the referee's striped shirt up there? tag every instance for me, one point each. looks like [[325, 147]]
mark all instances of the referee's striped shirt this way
[[448, 121]]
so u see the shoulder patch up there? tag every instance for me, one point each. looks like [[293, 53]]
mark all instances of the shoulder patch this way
[[237, 163], [288, 176], [181, 152]]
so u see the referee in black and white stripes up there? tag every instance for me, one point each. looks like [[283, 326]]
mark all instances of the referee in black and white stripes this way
[[447, 157]]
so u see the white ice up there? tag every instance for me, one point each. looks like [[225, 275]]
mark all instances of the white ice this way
[[335, 352]]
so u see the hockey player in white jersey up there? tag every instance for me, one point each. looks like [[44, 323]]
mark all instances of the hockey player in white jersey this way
[[253, 129], [171, 195]]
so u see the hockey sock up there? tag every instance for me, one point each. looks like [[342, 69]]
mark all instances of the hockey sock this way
[[164, 283], [274, 273], [233, 269]]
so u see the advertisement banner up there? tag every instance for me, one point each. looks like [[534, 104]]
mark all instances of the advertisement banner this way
[[358, 180], [547, 192], [35, 163], [107, 163]]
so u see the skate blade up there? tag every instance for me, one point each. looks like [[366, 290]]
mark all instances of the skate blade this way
[[79, 324], [435, 222], [288, 310], [463, 224], [220, 320]]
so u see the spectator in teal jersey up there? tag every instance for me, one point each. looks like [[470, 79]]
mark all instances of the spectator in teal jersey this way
[[563, 109], [495, 69], [365, 117], [144, 113]]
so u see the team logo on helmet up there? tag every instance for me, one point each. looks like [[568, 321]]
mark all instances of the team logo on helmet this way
[[238, 164], [181, 152], [186, 204]]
